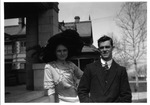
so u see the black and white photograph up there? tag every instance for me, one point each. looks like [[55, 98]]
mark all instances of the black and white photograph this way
[[74, 51]]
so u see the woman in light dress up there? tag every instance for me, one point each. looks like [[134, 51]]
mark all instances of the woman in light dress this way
[[61, 77]]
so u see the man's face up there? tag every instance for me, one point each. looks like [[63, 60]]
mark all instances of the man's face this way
[[105, 49]]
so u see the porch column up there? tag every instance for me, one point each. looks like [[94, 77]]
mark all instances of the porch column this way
[[47, 25], [31, 40]]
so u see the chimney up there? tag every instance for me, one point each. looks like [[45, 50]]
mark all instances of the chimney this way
[[77, 19]]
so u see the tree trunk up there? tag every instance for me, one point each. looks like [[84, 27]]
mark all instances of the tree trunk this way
[[136, 76]]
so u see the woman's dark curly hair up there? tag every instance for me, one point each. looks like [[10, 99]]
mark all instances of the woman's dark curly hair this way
[[69, 38]]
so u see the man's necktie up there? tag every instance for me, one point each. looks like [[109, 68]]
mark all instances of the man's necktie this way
[[106, 66], [106, 73]]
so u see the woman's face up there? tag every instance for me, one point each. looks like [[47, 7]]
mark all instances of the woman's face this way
[[61, 52]]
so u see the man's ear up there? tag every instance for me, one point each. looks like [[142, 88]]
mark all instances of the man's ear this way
[[113, 47]]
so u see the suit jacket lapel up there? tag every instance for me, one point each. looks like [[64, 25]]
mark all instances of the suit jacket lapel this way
[[112, 74], [100, 74]]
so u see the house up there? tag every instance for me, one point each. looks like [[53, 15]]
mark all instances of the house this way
[[15, 53]]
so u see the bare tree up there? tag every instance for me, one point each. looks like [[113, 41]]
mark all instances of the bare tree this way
[[118, 53], [132, 19]]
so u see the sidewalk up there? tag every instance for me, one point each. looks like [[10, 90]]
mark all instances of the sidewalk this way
[[14, 91], [20, 94]]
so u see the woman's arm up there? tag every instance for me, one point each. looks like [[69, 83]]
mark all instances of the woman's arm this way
[[77, 71], [49, 83]]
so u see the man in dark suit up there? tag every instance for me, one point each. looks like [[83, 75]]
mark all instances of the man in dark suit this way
[[104, 80]]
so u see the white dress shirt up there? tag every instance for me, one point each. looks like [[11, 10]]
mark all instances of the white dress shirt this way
[[104, 63]]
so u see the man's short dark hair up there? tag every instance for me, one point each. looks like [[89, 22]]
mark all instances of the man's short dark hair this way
[[105, 38]]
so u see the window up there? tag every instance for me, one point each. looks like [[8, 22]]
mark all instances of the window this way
[[23, 47], [18, 65], [75, 62], [8, 49], [22, 66], [84, 62]]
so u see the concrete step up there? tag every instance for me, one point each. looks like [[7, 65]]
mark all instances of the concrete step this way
[[25, 97], [44, 99]]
